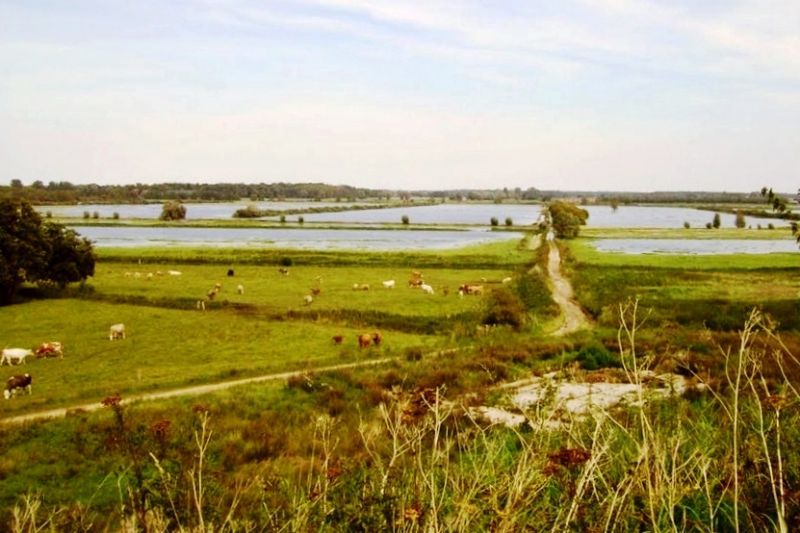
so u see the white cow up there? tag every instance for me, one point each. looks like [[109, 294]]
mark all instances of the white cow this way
[[427, 289], [15, 354], [388, 284], [117, 331], [174, 272], [240, 289], [307, 299], [507, 280]]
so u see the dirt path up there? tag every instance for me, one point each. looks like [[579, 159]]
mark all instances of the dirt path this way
[[187, 391], [574, 318]]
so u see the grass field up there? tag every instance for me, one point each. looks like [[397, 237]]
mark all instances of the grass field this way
[[165, 348]]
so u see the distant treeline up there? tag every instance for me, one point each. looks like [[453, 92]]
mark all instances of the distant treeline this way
[[64, 192], [252, 211]]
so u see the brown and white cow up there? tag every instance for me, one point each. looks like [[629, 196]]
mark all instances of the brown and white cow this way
[[117, 331], [17, 383], [50, 349]]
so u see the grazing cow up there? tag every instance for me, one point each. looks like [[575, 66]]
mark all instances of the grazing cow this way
[[240, 289], [15, 354], [17, 383], [212, 292], [50, 349], [415, 282], [307, 299], [377, 338], [174, 272], [117, 331], [149, 276], [416, 274], [337, 339], [218, 286], [230, 272], [316, 291], [468, 289], [137, 275], [506, 280], [364, 340], [427, 289], [360, 286], [388, 284], [284, 271]]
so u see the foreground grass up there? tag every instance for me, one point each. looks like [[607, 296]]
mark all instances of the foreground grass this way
[[165, 348]]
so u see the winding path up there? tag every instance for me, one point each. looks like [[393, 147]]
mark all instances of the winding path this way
[[574, 317], [188, 391]]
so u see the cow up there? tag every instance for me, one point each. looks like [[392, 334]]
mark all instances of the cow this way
[[230, 272], [212, 293], [218, 286], [117, 331], [360, 286], [174, 272], [416, 274], [50, 349], [337, 339], [364, 340], [240, 289], [415, 282], [307, 299], [284, 271], [377, 338], [388, 284], [427, 289], [17, 383], [467, 289], [15, 354], [316, 291], [506, 280]]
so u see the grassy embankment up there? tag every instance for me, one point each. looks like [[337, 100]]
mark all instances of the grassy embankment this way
[[715, 291]]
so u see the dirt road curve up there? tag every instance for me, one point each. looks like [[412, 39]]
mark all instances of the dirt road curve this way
[[574, 318], [187, 391]]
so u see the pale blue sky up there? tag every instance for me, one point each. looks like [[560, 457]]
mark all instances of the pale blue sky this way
[[583, 94]]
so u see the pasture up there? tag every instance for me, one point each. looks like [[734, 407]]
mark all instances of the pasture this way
[[165, 348]]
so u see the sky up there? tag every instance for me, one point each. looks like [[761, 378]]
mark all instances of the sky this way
[[647, 95]]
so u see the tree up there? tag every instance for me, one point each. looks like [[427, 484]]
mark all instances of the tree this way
[[493, 221], [566, 218], [740, 221], [509, 221], [173, 210], [716, 222], [33, 251], [405, 220], [780, 205]]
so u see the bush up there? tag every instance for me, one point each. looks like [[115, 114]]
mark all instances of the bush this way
[[594, 356], [286, 261], [283, 219], [509, 222], [708, 225], [49, 214], [687, 225], [86, 214], [95, 215], [173, 210], [493, 221], [770, 226], [740, 221], [504, 308], [115, 216], [405, 220], [567, 219], [716, 222], [300, 220]]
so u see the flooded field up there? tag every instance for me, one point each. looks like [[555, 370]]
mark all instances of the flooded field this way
[[634, 216]]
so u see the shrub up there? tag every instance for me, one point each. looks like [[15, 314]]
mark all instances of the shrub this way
[[716, 222], [740, 221], [49, 214], [115, 216], [95, 215], [504, 308], [286, 261], [708, 225], [493, 221], [173, 210], [594, 356], [86, 214], [405, 220], [687, 225], [283, 219], [300, 220], [509, 222], [770, 226]]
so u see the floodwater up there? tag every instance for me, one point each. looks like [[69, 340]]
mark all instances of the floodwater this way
[[638, 216], [126, 236], [198, 211], [520, 214], [696, 246]]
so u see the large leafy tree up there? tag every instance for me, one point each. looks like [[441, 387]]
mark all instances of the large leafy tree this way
[[780, 205], [173, 210], [566, 218], [34, 251]]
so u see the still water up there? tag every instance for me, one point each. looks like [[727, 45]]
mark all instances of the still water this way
[[520, 215], [122, 236], [635, 216], [696, 246]]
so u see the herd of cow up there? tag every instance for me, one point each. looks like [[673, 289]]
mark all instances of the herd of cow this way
[[22, 382]]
